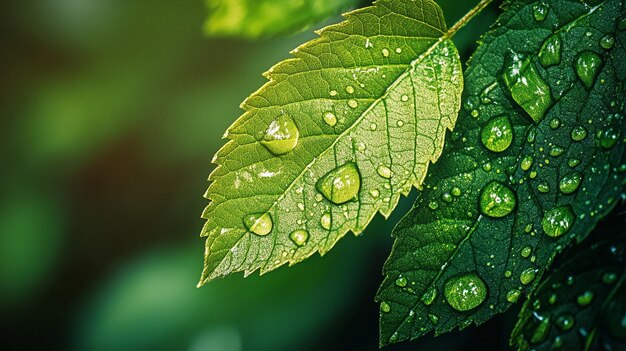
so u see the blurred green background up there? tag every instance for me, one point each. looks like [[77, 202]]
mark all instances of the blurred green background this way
[[111, 112]]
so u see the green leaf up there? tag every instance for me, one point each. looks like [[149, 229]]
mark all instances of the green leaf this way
[[337, 135], [581, 306], [536, 160], [257, 18]]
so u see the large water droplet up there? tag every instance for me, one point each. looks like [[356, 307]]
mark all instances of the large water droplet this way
[[570, 182], [608, 137], [528, 275], [550, 53], [526, 86], [497, 200], [497, 135], [607, 42], [341, 184], [513, 295], [558, 221], [526, 163], [299, 237], [330, 119], [258, 223], [281, 135], [384, 171], [587, 67], [579, 133], [465, 292], [326, 221]]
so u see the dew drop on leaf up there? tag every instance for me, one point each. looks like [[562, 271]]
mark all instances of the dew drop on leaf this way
[[341, 184], [353, 103], [565, 322], [609, 278], [608, 138], [526, 251], [528, 275], [540, 11], [384, 307], [607, 42], [550, 53], [429, 296], [542, 330], [585, 298], [570, 182], [465, 292], [587, 67], [558, 221], [401, 282], [299, 237], [579, 133], [281, 135], [384, 171], [497, 135], [526, 163], [330, 119], [326, 221], [526, 86], [259, 223], [513, 295], [497, 200]]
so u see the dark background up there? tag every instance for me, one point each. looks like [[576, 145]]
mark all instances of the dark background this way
[[110, 112]]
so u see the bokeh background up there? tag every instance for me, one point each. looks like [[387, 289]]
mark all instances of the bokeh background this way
[[110, 112]]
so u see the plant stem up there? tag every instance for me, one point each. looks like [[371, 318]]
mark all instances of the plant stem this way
[[468, 17]]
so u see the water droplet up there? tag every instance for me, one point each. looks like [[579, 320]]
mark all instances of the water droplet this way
[[528, 275], [341, 184], [608, 138], [375, 193], [386, 52], [330, 119], [609, 278], [401, 282], [497, 200], [550, 53], [384, 307], [353, 103], [565, 322], [558, 221], [542, 330], [398, 50], [497, 135], [326, 221], [333, 93], [555, 123], [404, 98], [465, 292], [607, 42], [579, 133], [573, 162], [456, 191], [281, 135], [429, 296], [588, 67], [513, 295], [433, 205], [570, 182], [540, 11], [350, 89], [526, 86], [526, 163], [585, 298], [552, 299], [299, 237], [433, 319], [526, 251], [384, 171], [543, 188], [556, 151], [258, 223]]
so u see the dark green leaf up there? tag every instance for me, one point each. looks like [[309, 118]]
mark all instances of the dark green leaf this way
[[257, 18], [581, 306], [337, 135], [536, 161]]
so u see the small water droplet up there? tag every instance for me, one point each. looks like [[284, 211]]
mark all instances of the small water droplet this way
[[609, 278], [299, 237], [353, 103], [384, 171], [565, 322], [433, 318], [526, 163], [608, 137], [555, 123], [540, 11], [497, 135], [528, 275], [607, 42], [513, 295], [526, 86], [333, 93], [573, 162], [326, 221], [585, 298], [350, 89], [558, 221], [579, 133], [384, 307], [281, 135], [398, 50], [429, 296], [465, 292], [550, 53], [401, 282], [543, 188], [385, 52], [456, 191], [330, 119], [259, 223], [587, 67], [526, 251], [570, 182], [375, 193], [404, 98], [556, 151], [341, 184], [497, 200]]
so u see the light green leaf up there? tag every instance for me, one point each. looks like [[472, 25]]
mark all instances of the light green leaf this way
[[257, 18], [337, 135], [536, 160], [581, 306]]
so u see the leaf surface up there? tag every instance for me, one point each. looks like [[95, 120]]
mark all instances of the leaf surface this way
[[263, 18], [536, 160], [337, 134], [581, 306]]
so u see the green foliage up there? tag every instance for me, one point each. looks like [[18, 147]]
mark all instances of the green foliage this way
[[536, 160], [579, 306], [337, 135], [259, 18]]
